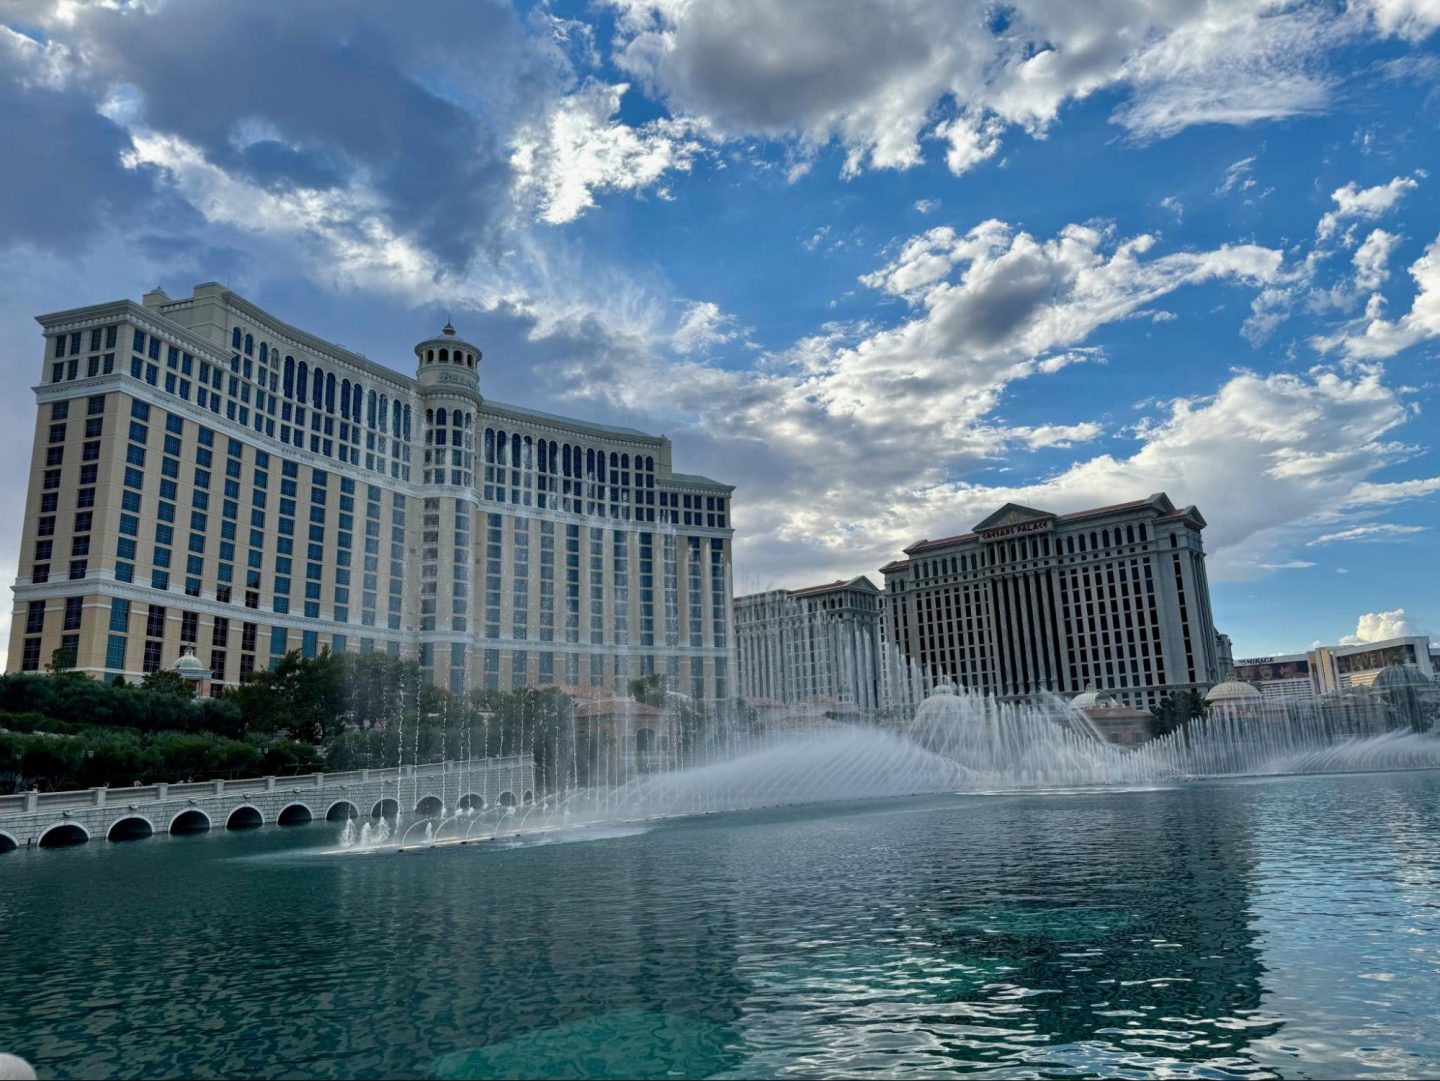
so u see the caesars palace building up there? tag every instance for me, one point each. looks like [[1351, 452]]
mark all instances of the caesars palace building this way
[[1114, 598], [206, 477]]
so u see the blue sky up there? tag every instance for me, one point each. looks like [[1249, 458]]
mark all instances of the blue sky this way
[[882, 266]]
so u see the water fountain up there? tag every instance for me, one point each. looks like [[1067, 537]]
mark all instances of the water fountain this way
[[956, 741]]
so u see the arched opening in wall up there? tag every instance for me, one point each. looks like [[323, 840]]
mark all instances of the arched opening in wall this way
[[471, 801], [66, 833], [527, 797], [507, 799], [430, 806], [295, 814], [191, 821], [644, 741], [385, 808], [7, 842], [245, 818], [131, 828], [342, 811]]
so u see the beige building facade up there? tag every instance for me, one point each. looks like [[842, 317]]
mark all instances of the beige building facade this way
[[204, 475], [1114, 599], [821, 642]]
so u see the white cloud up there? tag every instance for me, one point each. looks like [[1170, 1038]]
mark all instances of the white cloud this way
[[1238, 176], [1379, 626], [1382, 337], [1173, 204], [1288, 565], [927, 206], [1057, 435], [1353, 203], [1411, 19], [874, 76], [1371, 531], [579, 148], [702, 326], [1372, 258]]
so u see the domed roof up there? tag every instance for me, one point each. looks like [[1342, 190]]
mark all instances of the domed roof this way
[[1090, 698], [943, 687], [1396, 676], [1232, 690], [190, 667]]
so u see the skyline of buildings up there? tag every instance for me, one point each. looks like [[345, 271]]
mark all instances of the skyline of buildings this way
[[1018, 606]]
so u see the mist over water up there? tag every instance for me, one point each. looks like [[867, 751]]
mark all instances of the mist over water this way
[[955, 742]]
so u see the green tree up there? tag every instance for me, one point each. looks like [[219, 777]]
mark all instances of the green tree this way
[[1176, 711], [166, 681], [62, 662]]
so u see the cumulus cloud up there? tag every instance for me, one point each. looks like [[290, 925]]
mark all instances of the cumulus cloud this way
[[816, 431], [1372, 258], [1379, 626], [1353, 203], [1379, 337], [883, 79]]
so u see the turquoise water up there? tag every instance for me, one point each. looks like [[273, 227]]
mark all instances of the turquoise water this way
[[1285, 928]]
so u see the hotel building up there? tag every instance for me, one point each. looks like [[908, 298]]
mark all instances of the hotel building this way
[[1114, 598], [820, 643], [205, 475], [1327, 670]]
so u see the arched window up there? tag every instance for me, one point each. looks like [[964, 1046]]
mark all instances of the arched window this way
[[529, 458], [1129, 534], [600, 467], [614, 461], [589, 461], [405, 427], [515, 458], [429, 356], [624, 461], [1094, 541], [1105, 538], [249, 345], [370, 410], [441, 417], [329, 392], [290, 377], [502, 447], [382, 413], [554, 456], [565, 460], [302, 383], [649, 464], [1142, 532], [469, 422], [357, 403], [345, 399], [395, 418], [1070, 545], [318, 399], [264, 353], [490, 446], [430, 417], [235, 338], [1082, 542], [444, 356]]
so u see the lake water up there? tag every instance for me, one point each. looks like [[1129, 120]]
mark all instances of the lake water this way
[[1284, 927]]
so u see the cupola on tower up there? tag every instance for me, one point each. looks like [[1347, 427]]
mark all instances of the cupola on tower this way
[[448, 370]]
